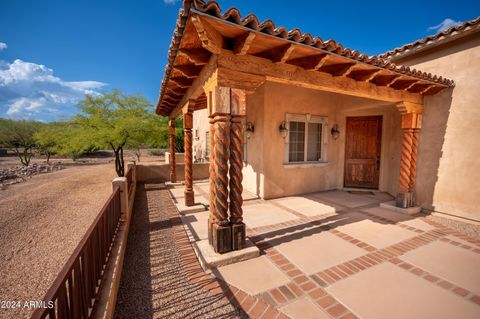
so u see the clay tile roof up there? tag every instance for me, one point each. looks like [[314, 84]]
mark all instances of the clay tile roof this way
[[453, 30], [250, 21]]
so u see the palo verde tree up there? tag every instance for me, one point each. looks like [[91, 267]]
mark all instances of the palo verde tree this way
[[117, 121], [18, 135]]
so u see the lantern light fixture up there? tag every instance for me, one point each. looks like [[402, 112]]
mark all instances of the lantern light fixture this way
[[283, 129]]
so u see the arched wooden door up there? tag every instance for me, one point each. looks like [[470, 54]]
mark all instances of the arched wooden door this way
[[362, 151]]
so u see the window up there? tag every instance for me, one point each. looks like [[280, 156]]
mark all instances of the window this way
[[306, 140]]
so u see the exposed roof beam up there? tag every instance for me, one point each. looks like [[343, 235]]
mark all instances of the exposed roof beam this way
[[392, 82], [242, 43], [348, 70], [188, 71], [278, 54], [426, 89], [196, 56], [196, 89], [211, 39], [372, 75], [403, 84], [310, 62], [294, 75]]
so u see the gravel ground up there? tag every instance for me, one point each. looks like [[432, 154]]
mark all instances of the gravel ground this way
[[468, 229], [153, 283], [41, 222]]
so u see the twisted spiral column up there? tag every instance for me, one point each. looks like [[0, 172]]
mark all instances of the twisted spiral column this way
[[406, 160], [235, 172], [211, 216], [173, 171], [221, 123], [187, 127], [413, 162]]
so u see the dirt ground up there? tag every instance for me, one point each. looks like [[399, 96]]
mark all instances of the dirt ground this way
[[41, 222]]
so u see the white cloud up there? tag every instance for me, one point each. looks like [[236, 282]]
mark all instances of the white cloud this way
[[444, 25], [3, 46], [170, 1], [30, 90]]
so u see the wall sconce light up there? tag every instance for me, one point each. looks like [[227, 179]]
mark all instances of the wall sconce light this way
[[250, 128], [283, 129], [335, 131]]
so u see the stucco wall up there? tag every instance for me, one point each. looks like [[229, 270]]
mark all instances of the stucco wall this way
[[200, 128], [283, 179], [448, 169]]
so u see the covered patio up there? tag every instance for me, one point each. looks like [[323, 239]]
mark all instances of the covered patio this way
[[322, 116]]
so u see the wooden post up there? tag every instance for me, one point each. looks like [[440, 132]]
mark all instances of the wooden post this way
[[220, 231], [237, 110], [187, 127], [411, 124], [173, 169]]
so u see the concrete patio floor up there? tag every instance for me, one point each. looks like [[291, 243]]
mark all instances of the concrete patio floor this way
[[338, 254]]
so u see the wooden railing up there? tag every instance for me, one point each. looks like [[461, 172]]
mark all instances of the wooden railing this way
[[74, 292], [129, 176]]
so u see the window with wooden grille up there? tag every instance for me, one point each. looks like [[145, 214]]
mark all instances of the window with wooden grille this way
[[306, 139]]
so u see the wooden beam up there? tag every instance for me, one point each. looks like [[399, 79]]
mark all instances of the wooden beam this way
[[310, 62], [196, 56], [189, 71], [293, 75], [426, 89], [196, 89], [278, 54], [348, 70], [242, 43], [182, 81], [211, 39], [403, 84], [336, 69], [395, 79]]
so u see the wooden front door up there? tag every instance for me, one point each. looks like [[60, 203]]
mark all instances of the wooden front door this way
[[362, 151]]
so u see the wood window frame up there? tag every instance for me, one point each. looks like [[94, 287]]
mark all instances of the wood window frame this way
[[307, 118]]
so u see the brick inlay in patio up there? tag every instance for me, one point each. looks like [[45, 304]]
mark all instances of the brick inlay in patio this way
[[304, 308], [253, 276], [305, 206], [387, 291], [456, 264], [345, 198], [313, 251], [376, 234], [263, 214]]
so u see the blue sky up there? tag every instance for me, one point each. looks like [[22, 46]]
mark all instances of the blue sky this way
[[52, 52]]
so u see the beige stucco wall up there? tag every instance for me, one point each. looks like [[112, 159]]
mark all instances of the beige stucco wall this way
[[283, 179], [265, 172], [448, 170], [200, 128]]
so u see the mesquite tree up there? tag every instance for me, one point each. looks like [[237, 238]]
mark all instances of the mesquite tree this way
[[117, 121], [18, 135]]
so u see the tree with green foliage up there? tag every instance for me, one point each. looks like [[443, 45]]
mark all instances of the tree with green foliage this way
[[117, 121], [18, 135], [63, 138]]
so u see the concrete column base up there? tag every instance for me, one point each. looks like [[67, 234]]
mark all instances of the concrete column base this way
[[405, 199], [238, 236], [189, 198], [221, 238]]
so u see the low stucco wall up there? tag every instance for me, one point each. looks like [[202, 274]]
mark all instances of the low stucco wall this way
[[179, 158], [448, 168], [161, 172]]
